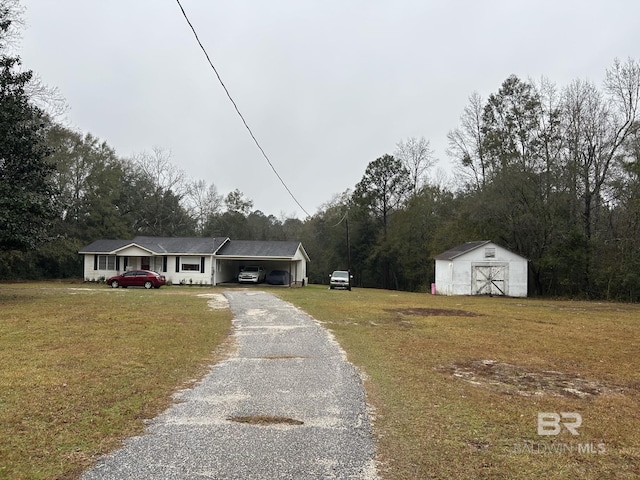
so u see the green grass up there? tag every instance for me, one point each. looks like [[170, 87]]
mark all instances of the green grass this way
[[83, 367], [442, 413]]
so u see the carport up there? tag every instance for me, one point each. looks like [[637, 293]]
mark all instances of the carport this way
[[271, 255]]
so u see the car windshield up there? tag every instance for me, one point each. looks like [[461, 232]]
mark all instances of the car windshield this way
[[341, 274], [250, 269]]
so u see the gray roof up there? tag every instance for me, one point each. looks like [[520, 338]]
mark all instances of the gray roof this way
[[193, 245], [160, 245], [105, 246], [261, 249], [461, 250]]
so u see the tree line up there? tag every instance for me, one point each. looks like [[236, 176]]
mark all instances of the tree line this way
[[552, 173]]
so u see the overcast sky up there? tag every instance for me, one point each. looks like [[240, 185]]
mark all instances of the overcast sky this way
[[327, 86]]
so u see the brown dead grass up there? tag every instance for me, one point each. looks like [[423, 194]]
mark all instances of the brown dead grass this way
[[457, 396], [83, 367], [432, 312], [519, 380]]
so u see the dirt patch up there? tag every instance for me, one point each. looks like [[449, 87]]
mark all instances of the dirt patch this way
[[217, 301], [523, 381], [266, 420], [433, 312]]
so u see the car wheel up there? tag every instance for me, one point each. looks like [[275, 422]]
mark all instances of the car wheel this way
[[148, 284], [114, 284]]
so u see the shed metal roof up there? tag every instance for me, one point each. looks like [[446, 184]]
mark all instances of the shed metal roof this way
[[461, 250]]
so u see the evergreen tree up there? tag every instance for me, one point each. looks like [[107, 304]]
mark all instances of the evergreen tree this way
[[27, 192]]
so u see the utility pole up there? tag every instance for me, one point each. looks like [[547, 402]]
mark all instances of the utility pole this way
[[348, 250]]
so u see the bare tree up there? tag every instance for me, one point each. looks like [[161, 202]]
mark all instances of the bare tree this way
[[161, 173], [622, 83], [163, 189], [47, 98], [203, 202], [11, 15], [596, 127], [465, 143], [550, 130], [417, 157]]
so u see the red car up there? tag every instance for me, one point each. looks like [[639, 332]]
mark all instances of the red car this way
[[137, 278]]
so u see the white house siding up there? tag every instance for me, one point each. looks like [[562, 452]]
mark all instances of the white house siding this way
[[134, 251], [225, 271], [300, 274], [93, 275], [456, 276], [189, 277], [105, 258], [156, 264]]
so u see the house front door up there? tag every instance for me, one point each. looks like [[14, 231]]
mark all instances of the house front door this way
[[145, 263]]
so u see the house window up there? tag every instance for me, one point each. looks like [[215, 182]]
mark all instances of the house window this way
[[489, 252], [190, 267], [106, 262]]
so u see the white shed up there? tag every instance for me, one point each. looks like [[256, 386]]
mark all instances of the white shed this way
[[481, 268]]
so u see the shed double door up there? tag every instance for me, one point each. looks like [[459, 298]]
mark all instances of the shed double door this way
[[490, 279]]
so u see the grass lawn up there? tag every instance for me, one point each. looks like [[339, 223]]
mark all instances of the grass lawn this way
[[81, 368], [457, 382]]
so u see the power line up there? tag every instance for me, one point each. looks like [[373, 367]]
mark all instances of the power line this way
[[341, 220], [195, 34]]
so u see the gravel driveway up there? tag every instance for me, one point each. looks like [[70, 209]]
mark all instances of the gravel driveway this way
[[285, 405]]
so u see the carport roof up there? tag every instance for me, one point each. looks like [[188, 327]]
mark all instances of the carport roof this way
[[261, 249]]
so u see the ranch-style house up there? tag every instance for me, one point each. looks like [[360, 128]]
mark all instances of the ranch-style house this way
[[193, 260]]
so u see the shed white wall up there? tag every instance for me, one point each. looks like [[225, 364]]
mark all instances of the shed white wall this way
[[444, 280], [455, 277]]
